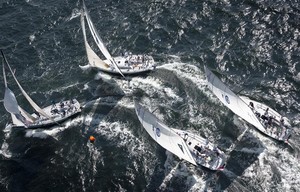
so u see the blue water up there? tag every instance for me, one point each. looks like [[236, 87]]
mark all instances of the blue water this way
[[253, 46]]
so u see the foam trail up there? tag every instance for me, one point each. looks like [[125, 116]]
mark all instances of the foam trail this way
[[103, 76], [181, 170], [75, 14], [85, 67], [4, 148], [52, 132]]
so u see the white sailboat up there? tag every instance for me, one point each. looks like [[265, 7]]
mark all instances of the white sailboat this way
[[270, 123], [51, 115], [184, 144], [124, 65]]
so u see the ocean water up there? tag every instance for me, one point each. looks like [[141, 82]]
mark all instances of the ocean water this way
[[252, 45]]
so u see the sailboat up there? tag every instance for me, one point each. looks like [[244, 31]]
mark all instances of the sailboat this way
[[42, 118], [185, 145], [126, 64], [261, 116]]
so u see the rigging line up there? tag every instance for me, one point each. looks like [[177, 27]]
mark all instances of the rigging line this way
[[25, 94], [4, 75], [154, 110]]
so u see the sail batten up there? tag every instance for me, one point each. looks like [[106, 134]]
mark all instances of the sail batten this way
[[99, 41], [231, 100]]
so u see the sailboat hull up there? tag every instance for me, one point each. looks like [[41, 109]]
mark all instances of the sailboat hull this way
[[126, 67], [181, 143], [276, 130], [59, 113], [126, 64], [210, 156], [271, 125], [125, 72]]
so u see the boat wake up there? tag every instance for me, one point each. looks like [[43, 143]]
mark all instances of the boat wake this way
[[264, 162], [179, 91], [177, 170], [51, 132], [4, 148], [85, 67]]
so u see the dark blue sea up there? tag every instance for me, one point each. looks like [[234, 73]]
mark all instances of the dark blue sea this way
[[252, 45]]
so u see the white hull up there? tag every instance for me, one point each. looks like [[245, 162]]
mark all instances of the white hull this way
[[127, 64], [181, 143], [128, 68], [240, 106], [276, 130], [62, 114], [210, 156]]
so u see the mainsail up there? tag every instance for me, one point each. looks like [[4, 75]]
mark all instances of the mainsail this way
[[163, 135], [93, 58], [231, 100], [32, 103], [99, 41]]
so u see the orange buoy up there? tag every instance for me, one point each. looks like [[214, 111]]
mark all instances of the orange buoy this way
[[92, 139]]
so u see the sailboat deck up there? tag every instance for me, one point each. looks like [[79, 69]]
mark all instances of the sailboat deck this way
[[58, 112], [125, 64], [131, 64], [203, 151], [276, 126]]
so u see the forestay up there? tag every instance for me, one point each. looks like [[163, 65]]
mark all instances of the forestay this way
[[99, 41], [231, 100], [163, 135]]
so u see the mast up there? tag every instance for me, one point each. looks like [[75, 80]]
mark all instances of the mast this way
[[162, 134], [231, 100], [93, 58], [32, 103], [99, 41], [11, 105]]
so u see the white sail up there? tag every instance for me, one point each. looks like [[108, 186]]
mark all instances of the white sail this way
[[32, 103], [11, 105], [93, 58], [163, 135], [99, 41], [10, 102], [50, 115], [231, 100]]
